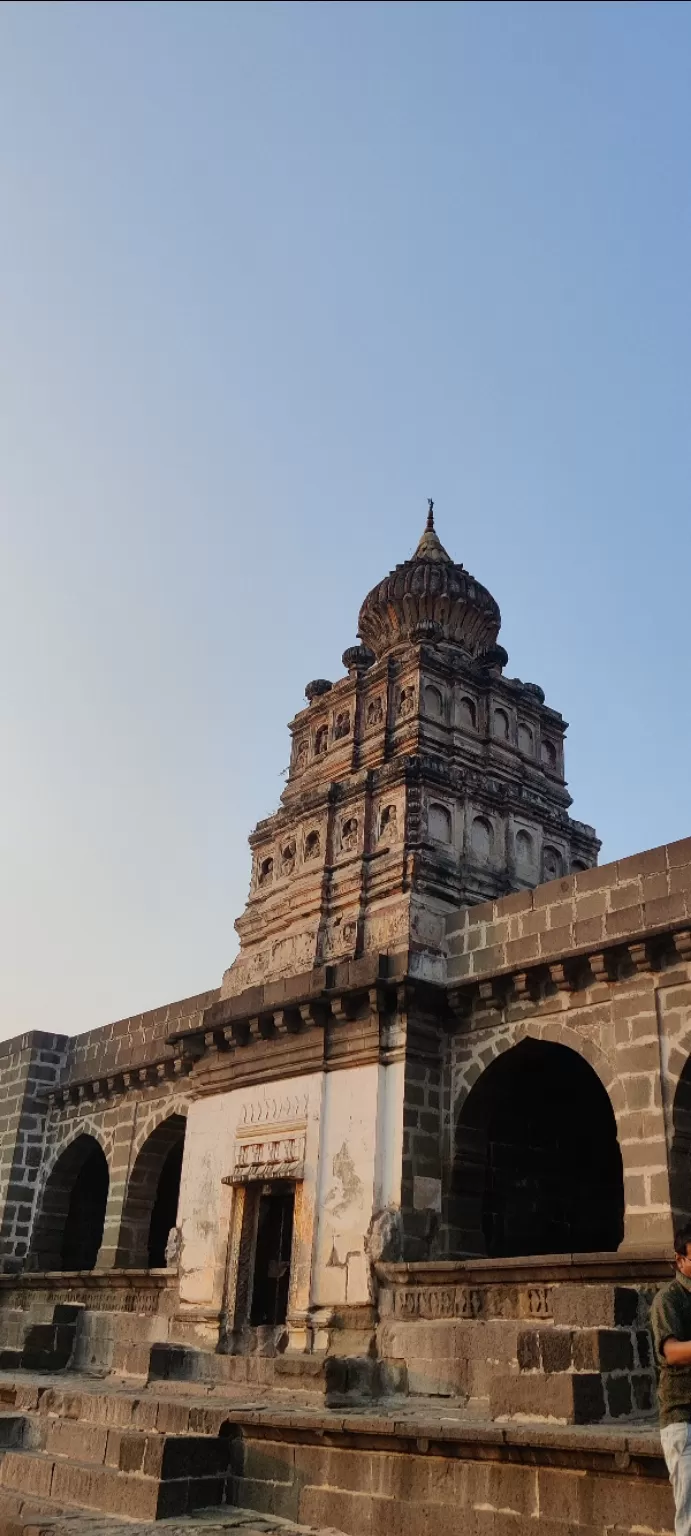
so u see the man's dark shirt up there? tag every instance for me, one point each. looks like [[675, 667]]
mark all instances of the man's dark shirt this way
[[670, 1318]]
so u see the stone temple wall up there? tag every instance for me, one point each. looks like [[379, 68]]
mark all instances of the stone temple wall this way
[[598, 962], [112, 1084]]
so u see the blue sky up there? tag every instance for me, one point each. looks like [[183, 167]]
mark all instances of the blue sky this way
[[270, 275]]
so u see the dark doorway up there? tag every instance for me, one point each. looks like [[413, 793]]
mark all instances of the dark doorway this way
[[69, 1226], [538, 1166], [680, 1156], [165, 1212], [151, 1202], [272, 1257]]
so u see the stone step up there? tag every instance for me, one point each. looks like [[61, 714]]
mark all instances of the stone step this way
[[21, 1517], [584, 1349], [179, 1363], [46, 1346], [147, 1477], [138, 1413]]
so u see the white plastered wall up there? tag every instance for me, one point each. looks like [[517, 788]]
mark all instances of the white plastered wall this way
[[353, 1123]]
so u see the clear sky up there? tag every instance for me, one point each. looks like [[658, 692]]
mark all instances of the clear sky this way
[[270, 275]]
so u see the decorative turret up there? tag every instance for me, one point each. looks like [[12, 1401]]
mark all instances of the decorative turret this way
[[429, 598]]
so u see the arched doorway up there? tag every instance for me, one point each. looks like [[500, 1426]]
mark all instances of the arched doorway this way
[[151, 1202], [680, 1155], [537, 1164], [69, 1226]]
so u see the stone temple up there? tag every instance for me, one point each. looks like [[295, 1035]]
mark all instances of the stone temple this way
[[365, 1238]]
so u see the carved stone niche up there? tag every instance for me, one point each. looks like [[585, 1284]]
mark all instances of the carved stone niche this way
[[288, 857], [265, 872], [406, 701], [388, 823], [374, 714], [312, 845], [301, 755], [342, 725], [349, 834]]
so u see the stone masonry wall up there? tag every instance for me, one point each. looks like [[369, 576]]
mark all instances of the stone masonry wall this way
[[600, 962], [133, 1041], [29, 1066], [119, 1112]]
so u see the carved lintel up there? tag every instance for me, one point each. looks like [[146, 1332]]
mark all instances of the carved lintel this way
[[682, 943], [559, 978]]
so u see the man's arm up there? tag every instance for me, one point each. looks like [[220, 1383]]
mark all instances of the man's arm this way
[[676, 1352]]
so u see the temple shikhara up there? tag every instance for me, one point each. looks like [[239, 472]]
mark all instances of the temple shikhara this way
[[365, 1237]]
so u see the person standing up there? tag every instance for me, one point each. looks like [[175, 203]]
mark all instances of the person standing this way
[[670, 1321]]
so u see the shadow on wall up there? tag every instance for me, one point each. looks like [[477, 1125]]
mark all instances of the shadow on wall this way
[[537, 1165]]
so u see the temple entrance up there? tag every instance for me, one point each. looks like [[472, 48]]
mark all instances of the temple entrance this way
[[537, 1162], [151, 1202], [69, 1227], [271, 1280]]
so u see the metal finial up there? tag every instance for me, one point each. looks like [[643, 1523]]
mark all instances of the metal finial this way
[[430, 514]]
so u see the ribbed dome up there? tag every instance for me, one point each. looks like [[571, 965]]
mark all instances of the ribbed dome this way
[[429, 598]]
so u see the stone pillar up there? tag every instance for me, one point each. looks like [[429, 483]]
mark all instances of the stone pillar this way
[[29, 1067], [123, 1119], [639, 1110]]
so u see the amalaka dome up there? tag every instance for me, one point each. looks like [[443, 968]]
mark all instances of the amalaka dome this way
[[429, 598]]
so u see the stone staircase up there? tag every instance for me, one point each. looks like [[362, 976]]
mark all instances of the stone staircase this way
[[45, 1346], [69, 1450]]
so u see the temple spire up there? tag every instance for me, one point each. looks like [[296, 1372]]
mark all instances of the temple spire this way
[[430, 547]]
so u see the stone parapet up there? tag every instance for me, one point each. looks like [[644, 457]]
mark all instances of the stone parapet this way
[[642, 897]]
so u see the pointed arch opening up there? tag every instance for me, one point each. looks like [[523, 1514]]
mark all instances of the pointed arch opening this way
[[537, 1166], [151, 1202], [69, 1226]]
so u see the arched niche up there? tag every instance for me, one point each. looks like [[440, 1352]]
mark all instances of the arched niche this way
[[440, 823], [151, 1201], [434, 702], [537, 1164], [69, 1226]]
